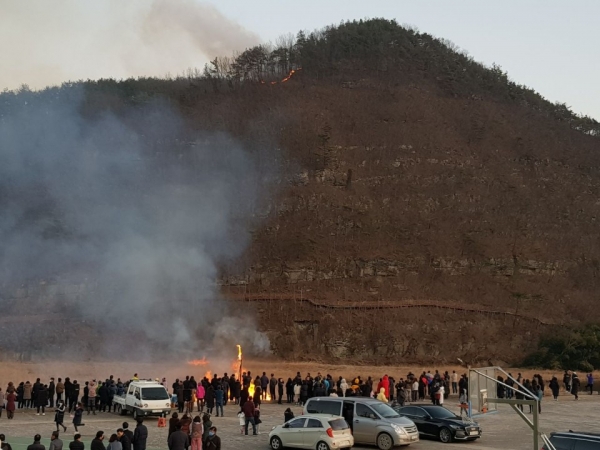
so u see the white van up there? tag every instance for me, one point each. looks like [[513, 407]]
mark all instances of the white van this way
[[372, 422], [144, 398]]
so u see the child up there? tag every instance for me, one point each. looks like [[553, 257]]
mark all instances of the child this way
[[242, 418], [78, 416], [59, 415], [257, 420]]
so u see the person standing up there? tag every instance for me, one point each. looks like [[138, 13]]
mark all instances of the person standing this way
[[114, 443], [36, 443], [575, 383], [97, 443], [60, 389], [127, 432], [219, 399], [76, 444], [454, 382], [41, 399], [179, 440], [140, 435], [249, 416], [264, 384], [11, 399], [74, 398], [3, 444], [2, 400], [196, 434], [55, 442], [27, 389], [123, 439], [51, 391], [91, 397], [59, 415], [273, 387], [213, 442], [280, 386], [555, 388]]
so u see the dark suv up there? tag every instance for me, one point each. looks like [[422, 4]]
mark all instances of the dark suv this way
[[573, 440]]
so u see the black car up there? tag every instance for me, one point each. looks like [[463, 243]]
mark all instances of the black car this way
[[574, 440], [441, 423]]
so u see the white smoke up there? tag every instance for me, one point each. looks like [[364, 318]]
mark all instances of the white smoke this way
[[47, 42], [137, 204]]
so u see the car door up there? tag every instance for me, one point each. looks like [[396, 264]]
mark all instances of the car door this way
[[417, 415], [293, 434], [364, 422], [312, 432]]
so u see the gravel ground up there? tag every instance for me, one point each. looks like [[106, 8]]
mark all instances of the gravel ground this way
[[503, 430]]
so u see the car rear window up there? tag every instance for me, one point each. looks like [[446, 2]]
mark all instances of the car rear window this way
[[338, 424], [324, 407]]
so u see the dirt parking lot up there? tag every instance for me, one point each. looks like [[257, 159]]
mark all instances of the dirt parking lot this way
[[502, 430]]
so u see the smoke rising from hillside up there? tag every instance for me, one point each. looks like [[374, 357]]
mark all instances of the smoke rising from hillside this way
[[46, 42], [138, 206]]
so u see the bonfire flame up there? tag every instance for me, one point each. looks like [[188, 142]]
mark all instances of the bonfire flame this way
[[236, 364], [289, 75]]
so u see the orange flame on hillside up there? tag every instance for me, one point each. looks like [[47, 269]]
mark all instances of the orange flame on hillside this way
[[287, 78]]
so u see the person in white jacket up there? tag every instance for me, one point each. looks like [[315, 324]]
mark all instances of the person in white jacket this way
[[297, 387], [343, 387]]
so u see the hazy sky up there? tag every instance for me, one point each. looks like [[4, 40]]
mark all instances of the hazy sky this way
[[550, 45]]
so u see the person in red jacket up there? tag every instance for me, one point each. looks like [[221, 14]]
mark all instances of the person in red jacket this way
[[385, 384]]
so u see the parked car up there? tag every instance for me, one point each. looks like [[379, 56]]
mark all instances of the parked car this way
[[320, 432], [573, 440], [372, 422], [440, 423]]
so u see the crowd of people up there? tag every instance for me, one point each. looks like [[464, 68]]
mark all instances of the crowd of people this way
[[190, 425]]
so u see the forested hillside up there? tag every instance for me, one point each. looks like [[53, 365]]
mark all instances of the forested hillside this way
[[427, 207]]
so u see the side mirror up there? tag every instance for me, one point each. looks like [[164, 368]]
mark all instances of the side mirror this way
[[287, 425]]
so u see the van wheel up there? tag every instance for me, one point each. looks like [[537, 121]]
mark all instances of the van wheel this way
[[385, 441], [445, 435], [322, 446], [276, 443]]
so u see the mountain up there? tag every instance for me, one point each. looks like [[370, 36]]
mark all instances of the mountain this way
[[427, 207]]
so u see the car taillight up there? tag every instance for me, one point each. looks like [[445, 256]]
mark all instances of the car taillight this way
[[330, 432]]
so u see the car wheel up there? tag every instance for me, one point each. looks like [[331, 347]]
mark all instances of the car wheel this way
[[445, 435], [385, 441], [276, 443], [322, 445]]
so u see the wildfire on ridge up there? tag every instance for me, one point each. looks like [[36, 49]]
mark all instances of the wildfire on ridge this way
[[287, 78]]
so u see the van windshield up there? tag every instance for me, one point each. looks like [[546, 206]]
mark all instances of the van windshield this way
[[385, 411], [154, 393]]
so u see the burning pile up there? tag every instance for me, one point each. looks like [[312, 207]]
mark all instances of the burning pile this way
[[237, 366]]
